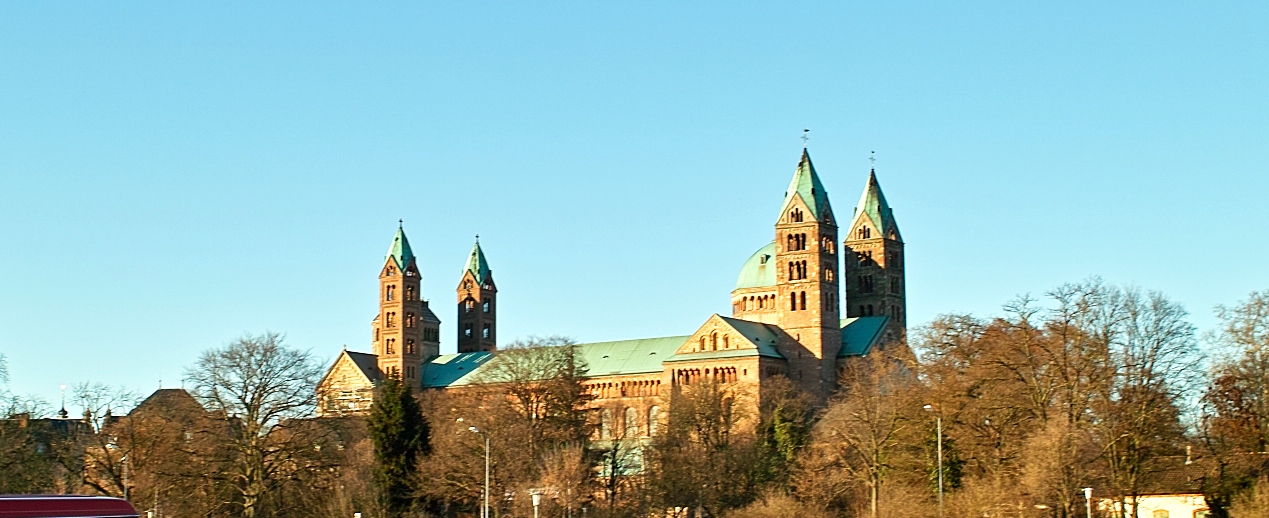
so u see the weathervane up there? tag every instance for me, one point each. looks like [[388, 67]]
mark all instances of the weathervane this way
[[805, 137]]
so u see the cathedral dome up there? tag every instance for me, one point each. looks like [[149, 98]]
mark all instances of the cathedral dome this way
[[759, 270]]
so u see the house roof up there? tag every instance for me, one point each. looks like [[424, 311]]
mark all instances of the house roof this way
[[639, 356], [367, 363], [759, 270], [163, 400], [860, 334]]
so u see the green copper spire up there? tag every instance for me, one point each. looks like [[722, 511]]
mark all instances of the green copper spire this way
[[807, 184], [872, 205], [400, 250], [476, 263]]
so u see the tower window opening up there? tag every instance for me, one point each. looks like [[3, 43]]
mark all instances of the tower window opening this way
[[390, 292], [391, 320], [713, 341], [793, 301], [894, 285], [828, 274], [485, 307], [409, 320], [863, 233], [409, 293], [726, 342], [467, 330], [391, 346], [804, 300], [484, 333], [409, 346]]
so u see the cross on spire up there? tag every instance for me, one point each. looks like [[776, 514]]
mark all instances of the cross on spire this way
[[872, 160], [400, 223], [805, 137]]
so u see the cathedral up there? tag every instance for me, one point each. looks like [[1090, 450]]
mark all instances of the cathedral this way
[[804, 303]]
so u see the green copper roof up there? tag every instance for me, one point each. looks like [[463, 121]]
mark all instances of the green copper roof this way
[[400, 249], [602, 359], [872, 203], [759, 270], [807, 184], [476, 263], [860, 334]]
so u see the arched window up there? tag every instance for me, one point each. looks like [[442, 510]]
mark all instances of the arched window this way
[[828, 274], [376, 334], [468, 304], [605, 424], [392, 346], [409, 293], [632, 422], [467, 330], [409, 346], [804, 300], [390, 292], [390, 320], [713, 341], [409, 320], [485, 306], [793, 301], [484, 333], [726, 341], [654, 414], [702, 344]]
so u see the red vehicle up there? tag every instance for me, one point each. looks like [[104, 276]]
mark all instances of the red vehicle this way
[[64, 506]]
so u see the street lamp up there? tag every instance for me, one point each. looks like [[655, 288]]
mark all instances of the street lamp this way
[[1088, 502], [939, 424], [537, 500], [484, 510]]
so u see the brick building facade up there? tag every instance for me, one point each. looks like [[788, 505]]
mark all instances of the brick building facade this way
[[803, 304]]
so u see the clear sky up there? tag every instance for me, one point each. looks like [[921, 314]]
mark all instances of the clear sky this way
[[173, 175]]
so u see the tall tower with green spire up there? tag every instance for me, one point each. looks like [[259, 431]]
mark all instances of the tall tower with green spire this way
[[477, 305], [406, 332], [806, 281], [875, 284]]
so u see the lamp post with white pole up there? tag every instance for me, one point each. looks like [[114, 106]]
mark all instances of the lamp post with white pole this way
[[1088, 502], [484, 509], [939, 430], [537, 500]]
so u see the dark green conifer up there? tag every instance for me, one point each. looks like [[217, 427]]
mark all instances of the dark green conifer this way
[[400, 436]]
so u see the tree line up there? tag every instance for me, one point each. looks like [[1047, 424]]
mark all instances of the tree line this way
[[1091, 385]]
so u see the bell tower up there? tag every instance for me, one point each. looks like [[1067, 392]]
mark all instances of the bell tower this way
[[477, 307], [406, 332], [874, 265], [806, 281]]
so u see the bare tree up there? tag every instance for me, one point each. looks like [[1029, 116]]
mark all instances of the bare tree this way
[[262, 388]]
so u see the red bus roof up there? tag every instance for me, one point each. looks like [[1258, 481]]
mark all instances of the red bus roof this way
[[64, 506]]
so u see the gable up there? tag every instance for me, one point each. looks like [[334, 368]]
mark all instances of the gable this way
[[723, 337], [352, 371]]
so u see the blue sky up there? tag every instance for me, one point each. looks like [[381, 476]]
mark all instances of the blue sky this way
[[173, 176]]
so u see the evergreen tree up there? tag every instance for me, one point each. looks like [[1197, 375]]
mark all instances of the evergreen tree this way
[[400, 436]]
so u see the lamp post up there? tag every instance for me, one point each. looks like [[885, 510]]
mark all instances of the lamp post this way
[[939, 430], [537, 500], [1088, 502], [484, 509]]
